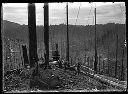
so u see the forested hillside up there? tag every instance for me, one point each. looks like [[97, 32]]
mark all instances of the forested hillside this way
[[81, 38]]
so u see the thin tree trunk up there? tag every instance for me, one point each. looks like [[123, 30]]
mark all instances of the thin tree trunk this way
[[46, 33], [99, 64], [32, 34], [116, 56], [85, 59], [103, 67], [122, 69], [95, 63], [108, 62], [33, 57], [67, 49], [25, 56]]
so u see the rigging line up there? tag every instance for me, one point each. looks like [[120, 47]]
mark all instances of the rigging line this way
[[88, 20], [65, 15], [76, 22], [93, 19], [61, 43], [64, 18], [121, 13], [124, 7], [78, 14], [93, 15], [89, 14], [73, 28], [95, 4], [109, 17], [115, 9], [121, 7]]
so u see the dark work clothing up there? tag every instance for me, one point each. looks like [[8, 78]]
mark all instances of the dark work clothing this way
[[78, 67], [65, 65], [60, 64]]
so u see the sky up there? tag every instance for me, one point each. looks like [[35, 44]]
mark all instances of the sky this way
[[80, 13]]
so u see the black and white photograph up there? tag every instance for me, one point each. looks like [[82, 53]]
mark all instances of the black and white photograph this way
[[64, 47]]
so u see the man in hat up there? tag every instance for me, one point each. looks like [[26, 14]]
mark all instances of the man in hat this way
[[78, 66]]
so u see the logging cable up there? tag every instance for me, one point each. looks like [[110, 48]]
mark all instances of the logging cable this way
[[77, 17], [78, 13], [89, 14], [122, 11]]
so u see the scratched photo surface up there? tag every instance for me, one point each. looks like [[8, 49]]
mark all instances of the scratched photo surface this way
[[64, 47]]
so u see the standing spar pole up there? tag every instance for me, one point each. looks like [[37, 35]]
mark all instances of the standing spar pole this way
[[32, 41], [32, 34], [67, 49], [2, 46], [2, 41], [95, 63], [46, 33]]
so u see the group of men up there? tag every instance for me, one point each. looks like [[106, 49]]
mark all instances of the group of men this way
[[62, 64], [66, 65]]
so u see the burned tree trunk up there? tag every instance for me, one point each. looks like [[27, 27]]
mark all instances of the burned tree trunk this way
[[46, 33], [67, 49], [122, 68], [88, 61], [99, 63], [55, 54], [71, 61], [103, 68], [108, 63], [95, 63], [116, 56], [25, 56], [2, 40], [32, 41], [32, 34]]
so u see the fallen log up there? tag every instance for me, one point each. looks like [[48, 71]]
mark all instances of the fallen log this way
[[104, 81]]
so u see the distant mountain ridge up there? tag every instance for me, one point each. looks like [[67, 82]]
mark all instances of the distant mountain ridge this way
[[80, 37], [81, 41], [14, 30]]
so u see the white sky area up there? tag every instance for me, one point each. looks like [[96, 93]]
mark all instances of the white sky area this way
[[106, 12]]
